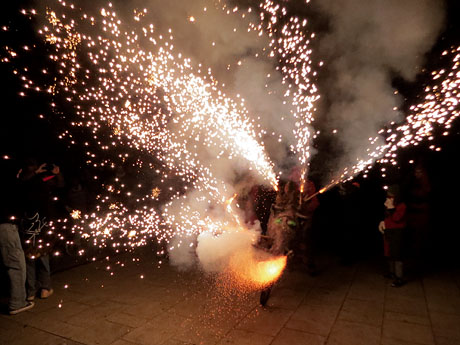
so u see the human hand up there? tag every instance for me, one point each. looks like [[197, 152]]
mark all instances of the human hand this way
[[382, 226], [41, 168]]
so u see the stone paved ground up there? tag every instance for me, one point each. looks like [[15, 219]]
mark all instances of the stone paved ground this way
[[351, 305]]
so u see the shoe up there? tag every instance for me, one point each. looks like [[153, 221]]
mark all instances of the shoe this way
[[28, 306], [398, 282], [46, 293], [30, 298]]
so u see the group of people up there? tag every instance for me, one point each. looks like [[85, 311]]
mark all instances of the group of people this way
[[287, 221], [26, 236], [286, 217]]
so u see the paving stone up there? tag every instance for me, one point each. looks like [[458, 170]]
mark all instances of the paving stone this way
[[82, 298], [444, 303], [398, 303], [413, 289], [268, 321], [443, 284], [60, 311], [446, 341], [158, 330], [296, 280], [33, 336], [362, 311], [199, 336], [123, 342], [176, 342], [421, 320], [389, 341], [367, 291], [286, 298], [11, 331], [126, 319], [290, 336], [191, 306], [322, 296], [313, 319], [338, 281], [102, 334], [88, 317], [242, 337], [446, 325], [408, 332], [148, 309], [351, 333]]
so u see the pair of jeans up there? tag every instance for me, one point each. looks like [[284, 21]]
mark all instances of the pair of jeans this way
[[38, 274], [14, 261]]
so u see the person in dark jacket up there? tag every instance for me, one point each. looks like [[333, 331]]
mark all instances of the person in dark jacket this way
[[39, 183], [393, 228], [10, 244]]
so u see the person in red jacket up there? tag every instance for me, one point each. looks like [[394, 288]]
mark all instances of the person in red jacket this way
[[393, 228]]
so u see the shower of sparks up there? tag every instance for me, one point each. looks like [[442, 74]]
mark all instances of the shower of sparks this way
[[441, 106], [289, 45], [435, 114], [129, 86], [156, 102]]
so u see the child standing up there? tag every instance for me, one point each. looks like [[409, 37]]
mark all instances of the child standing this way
[[393, 228]]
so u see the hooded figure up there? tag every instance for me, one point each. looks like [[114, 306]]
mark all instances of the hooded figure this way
[[282, 223]]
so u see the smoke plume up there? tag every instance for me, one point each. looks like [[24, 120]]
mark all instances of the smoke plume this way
[[367, 44]]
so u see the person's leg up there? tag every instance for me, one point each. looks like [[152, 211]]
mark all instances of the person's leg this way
[[14, 261], [399, 281], [391, 268], [43, 272], [31, 278]]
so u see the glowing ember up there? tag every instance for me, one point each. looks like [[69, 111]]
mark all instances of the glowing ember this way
[[75, 214]]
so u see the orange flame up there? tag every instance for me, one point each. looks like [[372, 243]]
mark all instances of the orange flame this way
[[266, 272], [257, 269]]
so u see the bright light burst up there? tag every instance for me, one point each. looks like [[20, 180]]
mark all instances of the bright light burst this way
[[129, 86]]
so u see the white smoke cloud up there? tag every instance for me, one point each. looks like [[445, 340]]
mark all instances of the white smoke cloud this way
[[215, 252], [183, 255], [367, 44]]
